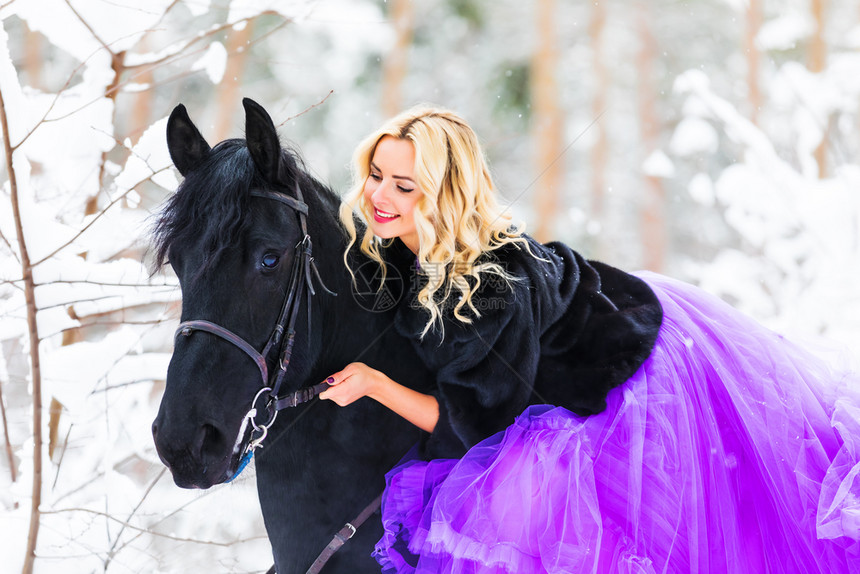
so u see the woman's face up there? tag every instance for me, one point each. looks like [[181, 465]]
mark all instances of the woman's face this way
[[391, 192]]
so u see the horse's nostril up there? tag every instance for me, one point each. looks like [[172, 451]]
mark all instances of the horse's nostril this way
[[155, 430], [211, 442]]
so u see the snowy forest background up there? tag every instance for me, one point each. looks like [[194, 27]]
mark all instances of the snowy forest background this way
[[713, 140]]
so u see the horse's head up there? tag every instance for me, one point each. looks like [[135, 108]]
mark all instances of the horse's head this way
[[233, 251]]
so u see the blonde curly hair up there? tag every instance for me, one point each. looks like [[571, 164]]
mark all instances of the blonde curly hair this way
[[458, 218]]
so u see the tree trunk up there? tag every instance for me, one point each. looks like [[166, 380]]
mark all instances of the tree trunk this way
[[653, 216], [10, 456], [118, 67], [33, 335], [142, 110], [754, 21], [33, 58], [548, 122], [397, 60], [817, 63], [600, 149], [228, 92]]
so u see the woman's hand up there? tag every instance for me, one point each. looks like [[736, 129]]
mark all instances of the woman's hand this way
[[356, 380]]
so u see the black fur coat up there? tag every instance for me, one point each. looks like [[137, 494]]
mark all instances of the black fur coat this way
[[565, 334]]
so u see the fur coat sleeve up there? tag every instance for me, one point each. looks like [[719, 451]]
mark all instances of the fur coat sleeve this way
[[564, 333]]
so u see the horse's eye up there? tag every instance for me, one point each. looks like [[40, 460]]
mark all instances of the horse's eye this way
[[270, 260]]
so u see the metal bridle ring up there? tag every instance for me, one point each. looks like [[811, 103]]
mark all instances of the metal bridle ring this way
[[252, 414]]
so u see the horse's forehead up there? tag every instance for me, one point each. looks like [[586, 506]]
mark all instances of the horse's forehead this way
[[265, 224], [268, 216]]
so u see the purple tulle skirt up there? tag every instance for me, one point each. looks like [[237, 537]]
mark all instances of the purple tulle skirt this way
[[730, 450]]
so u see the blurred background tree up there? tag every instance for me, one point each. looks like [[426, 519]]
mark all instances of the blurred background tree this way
[[716, 141]]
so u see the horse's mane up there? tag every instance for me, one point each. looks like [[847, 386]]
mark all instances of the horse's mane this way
[[211, 203]]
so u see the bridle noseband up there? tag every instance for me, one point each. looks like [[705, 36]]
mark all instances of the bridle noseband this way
[[282, 337]]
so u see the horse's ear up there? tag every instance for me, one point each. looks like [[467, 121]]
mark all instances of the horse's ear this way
[[262, 139], [187, 147]]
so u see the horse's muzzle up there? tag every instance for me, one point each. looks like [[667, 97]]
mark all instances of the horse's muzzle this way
[[199, 458]]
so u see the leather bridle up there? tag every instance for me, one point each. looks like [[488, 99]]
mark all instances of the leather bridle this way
[[282, 338], [283, 335]]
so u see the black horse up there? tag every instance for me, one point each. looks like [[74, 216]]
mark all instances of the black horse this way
[[230, 233]]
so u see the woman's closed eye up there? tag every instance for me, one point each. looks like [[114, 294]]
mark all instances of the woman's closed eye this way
[[377, 177]]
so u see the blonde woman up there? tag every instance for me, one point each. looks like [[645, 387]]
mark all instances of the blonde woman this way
[[584, 419]]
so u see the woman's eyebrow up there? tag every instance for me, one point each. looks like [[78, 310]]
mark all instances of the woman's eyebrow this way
[[376, 167]]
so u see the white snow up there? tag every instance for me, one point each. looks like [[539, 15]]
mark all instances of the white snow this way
[[117, 24], [701, 189], [694, 136], [803, 230], [785, 31], [658, 164], [149, 159], [213, 62]]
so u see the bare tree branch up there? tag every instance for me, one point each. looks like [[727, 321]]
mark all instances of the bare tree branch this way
[[153, 532], [8, 442], [152, 322], [211, 32], [179, 54], [87, 26], [94, 219], [113, 549], [103, 283], [166, 10], [73, 302], [13, 283], [118, 360], [61, 91], [33, 332], [306, 110], [53, 103], [90, 299], [284, 22], [9, 245], [91, 479], [62, 456], [121, 386]]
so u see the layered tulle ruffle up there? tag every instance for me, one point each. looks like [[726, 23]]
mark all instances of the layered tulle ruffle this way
[[730, 450]]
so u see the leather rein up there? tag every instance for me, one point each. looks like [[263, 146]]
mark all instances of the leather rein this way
[[282, 338]]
